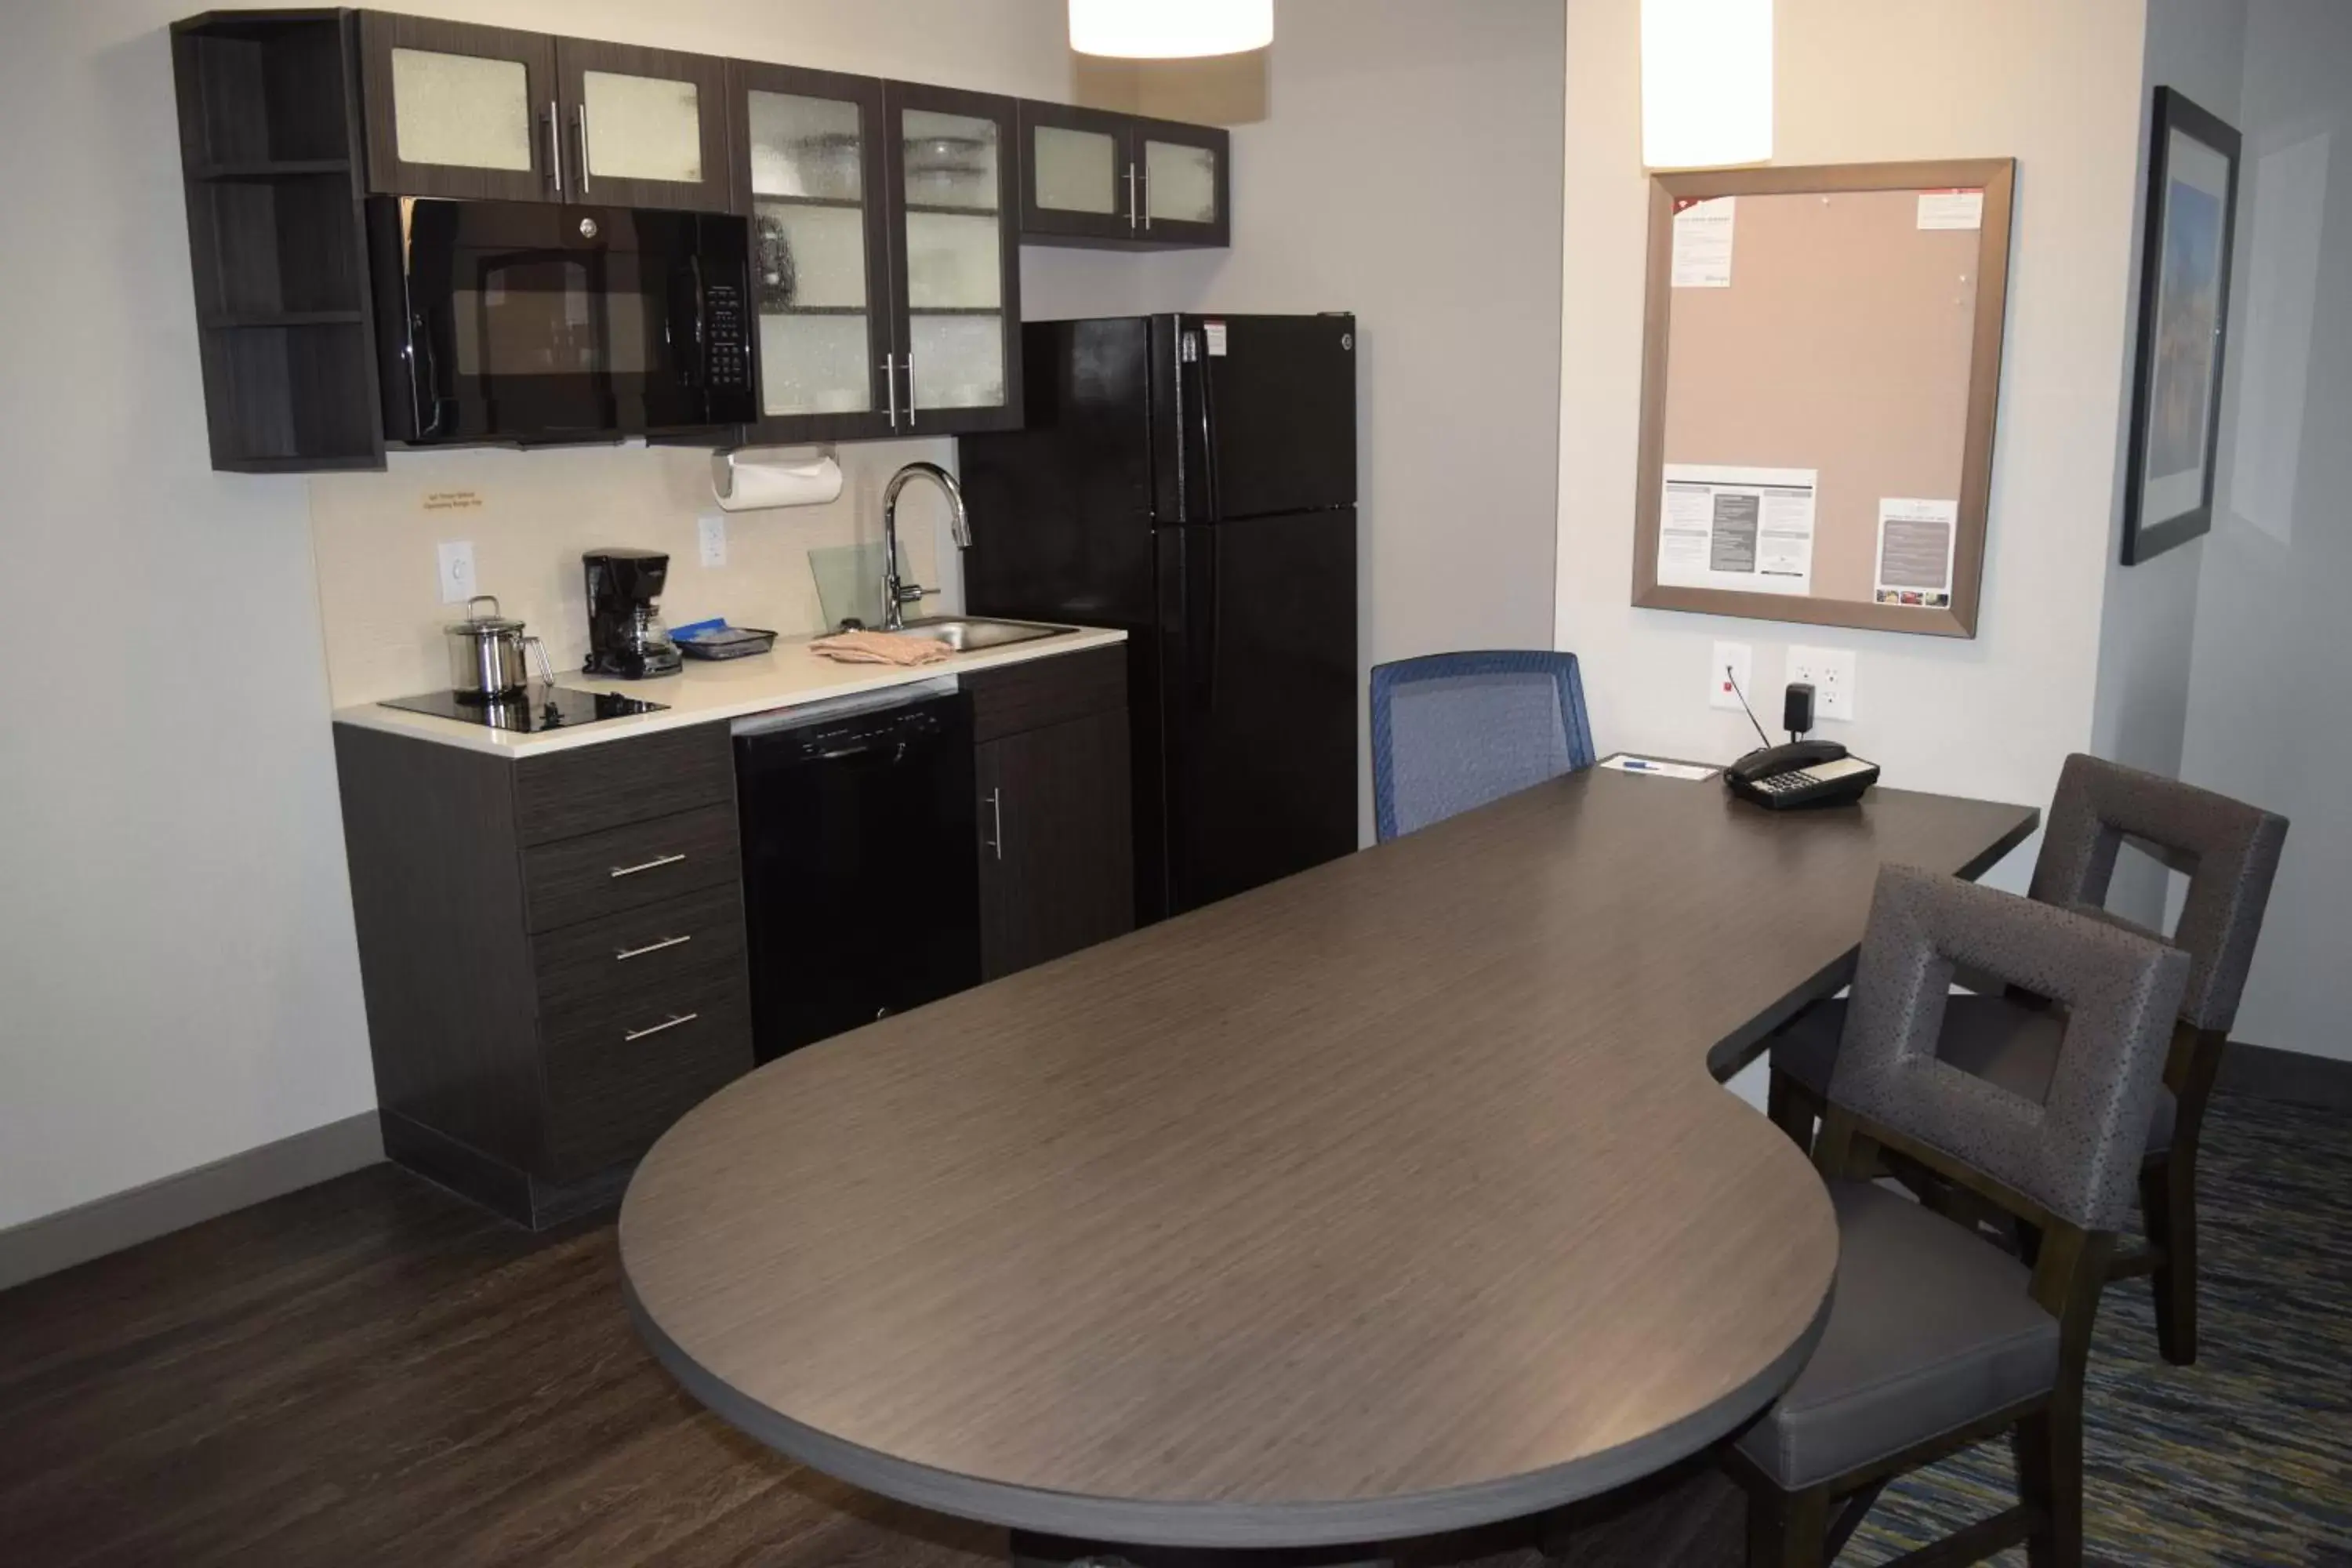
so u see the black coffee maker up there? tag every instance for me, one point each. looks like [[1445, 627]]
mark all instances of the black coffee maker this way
[[625, 637]]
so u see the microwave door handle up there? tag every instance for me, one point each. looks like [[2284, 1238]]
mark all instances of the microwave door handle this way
[[424, 378]]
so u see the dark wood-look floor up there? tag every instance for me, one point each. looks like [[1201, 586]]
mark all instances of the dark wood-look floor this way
[[372, 1372]]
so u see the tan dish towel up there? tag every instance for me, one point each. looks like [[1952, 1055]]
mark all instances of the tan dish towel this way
[[878, 647]]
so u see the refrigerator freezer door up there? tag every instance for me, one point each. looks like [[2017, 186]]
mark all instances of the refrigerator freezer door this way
[[1265, 415], [1258, 700]]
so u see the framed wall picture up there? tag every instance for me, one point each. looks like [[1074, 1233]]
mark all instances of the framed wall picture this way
[[2184, 305]]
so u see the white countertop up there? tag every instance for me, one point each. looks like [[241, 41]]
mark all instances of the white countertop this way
[[709, 690]]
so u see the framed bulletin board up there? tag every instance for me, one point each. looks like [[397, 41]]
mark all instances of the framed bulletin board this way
[[1821, 364]]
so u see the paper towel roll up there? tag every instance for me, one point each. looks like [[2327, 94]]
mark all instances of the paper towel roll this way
[[753, 478]]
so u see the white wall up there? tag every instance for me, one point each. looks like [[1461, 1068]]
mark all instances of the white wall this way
[[1409, 172], [2055, 87], [2270, 702], [178, 979]]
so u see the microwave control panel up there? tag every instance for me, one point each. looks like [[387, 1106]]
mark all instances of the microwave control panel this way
[[724, 347]]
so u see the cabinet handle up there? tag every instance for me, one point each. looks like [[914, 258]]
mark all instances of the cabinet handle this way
[[555, 146], [996, 823], [910, 389], [624, 953], [1145, 203], [890, 380], [1132, 208], [656, 1029], [579, 122], [654, 865]]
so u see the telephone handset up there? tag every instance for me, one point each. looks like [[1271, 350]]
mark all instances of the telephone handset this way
[[1803, 773]]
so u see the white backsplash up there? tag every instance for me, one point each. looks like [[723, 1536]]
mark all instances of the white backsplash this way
[[532, 514]]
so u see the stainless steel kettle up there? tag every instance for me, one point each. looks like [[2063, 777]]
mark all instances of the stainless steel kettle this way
[[488, 655]]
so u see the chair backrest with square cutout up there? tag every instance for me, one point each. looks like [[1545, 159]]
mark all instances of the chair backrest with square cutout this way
[[2078, 1153]]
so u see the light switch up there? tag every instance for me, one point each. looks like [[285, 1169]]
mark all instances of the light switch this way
[[1738, 659], [457, 571], [712, 531], [1830, 671]]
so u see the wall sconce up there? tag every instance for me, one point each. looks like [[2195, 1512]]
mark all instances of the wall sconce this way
[[1170, 29], [1707, 82]]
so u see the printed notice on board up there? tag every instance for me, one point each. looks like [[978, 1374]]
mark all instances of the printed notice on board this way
[[1914, 550], [1951, 209], [1748, 530], [1703, 242]]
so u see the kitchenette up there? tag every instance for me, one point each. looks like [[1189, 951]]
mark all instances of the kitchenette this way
[[744, 622]]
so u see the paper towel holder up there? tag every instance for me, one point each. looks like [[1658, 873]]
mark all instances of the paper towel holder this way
[[723, 472]]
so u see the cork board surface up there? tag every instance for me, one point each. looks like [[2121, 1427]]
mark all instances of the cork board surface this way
[[1843, 344]]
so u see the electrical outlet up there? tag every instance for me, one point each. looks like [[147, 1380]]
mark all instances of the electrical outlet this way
[[713, 530], [1740, 658], [457, 571], [1830, 670]]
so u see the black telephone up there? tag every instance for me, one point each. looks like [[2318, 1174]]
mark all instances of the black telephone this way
[[1803, 773]]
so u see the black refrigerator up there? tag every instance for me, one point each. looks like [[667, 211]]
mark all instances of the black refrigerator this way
[[1192, 479]]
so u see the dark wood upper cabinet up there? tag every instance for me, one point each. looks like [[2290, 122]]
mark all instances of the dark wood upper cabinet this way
[[1185, 172], [456, 110], [1096, 178], [955, 259], [810, 174], [1078, 176], [645, 128]]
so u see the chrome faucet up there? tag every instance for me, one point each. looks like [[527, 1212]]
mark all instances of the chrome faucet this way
[[895, 593]]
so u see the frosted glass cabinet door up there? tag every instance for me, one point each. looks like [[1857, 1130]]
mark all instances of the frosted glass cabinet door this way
[[1185, 183], [647, 127], [954, 266], [455, 110], [1079, 174], [809, 166]]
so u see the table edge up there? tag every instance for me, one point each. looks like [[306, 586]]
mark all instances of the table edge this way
[[1153, 1522]]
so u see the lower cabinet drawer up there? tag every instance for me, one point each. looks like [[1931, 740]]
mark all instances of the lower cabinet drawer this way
[[620, 868], [590, 973], [617, 1077]]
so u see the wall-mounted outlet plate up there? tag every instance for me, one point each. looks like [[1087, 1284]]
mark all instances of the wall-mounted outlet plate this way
[[1830, 670], [456, 557], [1739, 659], [711, 529]]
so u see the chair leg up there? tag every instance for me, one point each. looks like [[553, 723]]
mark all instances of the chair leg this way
[[2167, 1201], [2049, 1449], [1787, 1530], [1790, 1108]]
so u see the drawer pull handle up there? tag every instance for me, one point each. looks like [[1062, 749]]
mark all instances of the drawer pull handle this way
[[625, 954], [657, 1028], [654, 865]]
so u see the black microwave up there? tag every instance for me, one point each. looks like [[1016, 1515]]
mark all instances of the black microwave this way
[[529, 322]]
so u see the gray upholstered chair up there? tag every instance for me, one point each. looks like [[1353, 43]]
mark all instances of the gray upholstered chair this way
[[2013, 1041], [1937, 1338]]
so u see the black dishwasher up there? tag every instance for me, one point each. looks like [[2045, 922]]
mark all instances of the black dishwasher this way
[[861, 866]]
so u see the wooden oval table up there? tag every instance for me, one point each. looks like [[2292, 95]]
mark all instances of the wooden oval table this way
[[1395, 1197]]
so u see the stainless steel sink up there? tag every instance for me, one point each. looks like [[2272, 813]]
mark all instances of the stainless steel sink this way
[[966, 633]]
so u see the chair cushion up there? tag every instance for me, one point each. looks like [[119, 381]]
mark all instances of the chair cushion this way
[[2015, 1046], [1929, 1329]]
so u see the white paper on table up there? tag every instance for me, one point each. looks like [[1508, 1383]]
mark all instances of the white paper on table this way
[[1703, 244], [1952, 208], [1653, 767], [1747, 530], [1916, 540]]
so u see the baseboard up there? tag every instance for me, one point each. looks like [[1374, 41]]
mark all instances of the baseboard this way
[[2265, 1072], [107, 1225]]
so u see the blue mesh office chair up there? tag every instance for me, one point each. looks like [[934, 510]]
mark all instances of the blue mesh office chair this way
[[1454, 730]]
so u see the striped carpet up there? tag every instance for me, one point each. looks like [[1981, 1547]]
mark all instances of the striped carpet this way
[[2246, 1457]]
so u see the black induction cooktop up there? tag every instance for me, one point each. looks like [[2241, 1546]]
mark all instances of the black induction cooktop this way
[[539, 708]]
